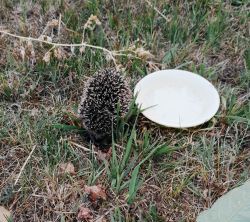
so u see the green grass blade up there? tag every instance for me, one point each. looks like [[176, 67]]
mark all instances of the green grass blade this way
[[128, 150], [133, 184]]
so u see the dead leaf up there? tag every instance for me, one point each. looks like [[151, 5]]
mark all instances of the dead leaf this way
[[95, 192], [59, 53], [34, 112], [84, 213], [45, 38], [46, 57], [53, 23], [22, 52], [30, 53], [82, 49], [72, 49], [108, 56], [91, 22], [66, 168], [13, 80], [142, 53], [4, 214], [205, 192]]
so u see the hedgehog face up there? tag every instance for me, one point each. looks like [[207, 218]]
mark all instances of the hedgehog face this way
[[103, 141]]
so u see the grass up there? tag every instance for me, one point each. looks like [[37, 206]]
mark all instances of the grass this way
[[154, 173]]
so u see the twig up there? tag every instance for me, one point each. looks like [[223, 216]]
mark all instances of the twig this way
[[82, 147], [25, 163], [111, 53], [69, 30], [59, 24], [157, 10]]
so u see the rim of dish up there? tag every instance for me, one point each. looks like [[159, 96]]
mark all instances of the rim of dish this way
[[196, 123]]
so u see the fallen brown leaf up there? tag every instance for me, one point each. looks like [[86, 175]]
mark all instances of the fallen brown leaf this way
[[59, 53], [95, 192], [4, 214], [84, 214], [34, 112], [46, 57], [66, 168]]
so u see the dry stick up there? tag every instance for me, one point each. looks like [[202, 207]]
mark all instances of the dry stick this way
[[157, 10], [70, 30], [59, 44], [82, 147], [111, 53], [59, 24], [25, 163]]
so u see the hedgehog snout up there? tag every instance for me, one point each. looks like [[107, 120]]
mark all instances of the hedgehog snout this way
[[102, 141]]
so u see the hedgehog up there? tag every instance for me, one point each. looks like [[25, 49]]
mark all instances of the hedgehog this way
[[104, 94]]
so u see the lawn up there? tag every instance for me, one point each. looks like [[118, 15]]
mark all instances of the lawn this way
[[152, 173]]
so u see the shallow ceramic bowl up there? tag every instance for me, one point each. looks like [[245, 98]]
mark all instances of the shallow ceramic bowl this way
[[177, 98]]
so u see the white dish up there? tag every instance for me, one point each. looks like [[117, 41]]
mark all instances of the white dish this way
[[177, 98]]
